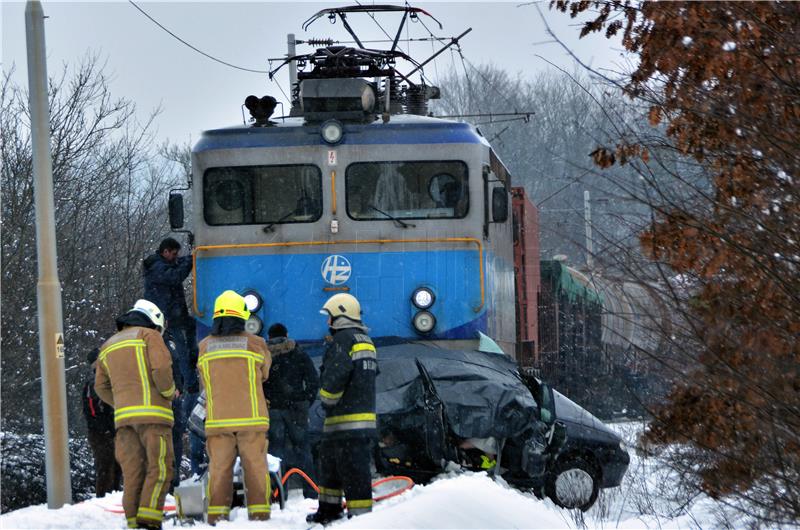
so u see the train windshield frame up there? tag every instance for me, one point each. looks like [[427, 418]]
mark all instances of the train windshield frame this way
[[407, 189], [253, 195]]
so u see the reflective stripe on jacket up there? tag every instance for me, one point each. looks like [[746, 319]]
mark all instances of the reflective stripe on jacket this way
[[232, 371], [134, 375], [347, 383]]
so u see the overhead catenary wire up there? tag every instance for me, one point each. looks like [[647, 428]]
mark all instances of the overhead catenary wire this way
[[372, 16], [407, 40], [472, 97], [201, 52], [463, 60], [432, 38], [408, 36], [487, 80], [433, 50]]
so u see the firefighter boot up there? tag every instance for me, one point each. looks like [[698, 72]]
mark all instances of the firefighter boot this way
[[324, 516]]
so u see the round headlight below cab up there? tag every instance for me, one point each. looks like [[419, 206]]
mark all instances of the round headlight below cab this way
[[253, 301], [423, 298], [253, 325], [331, 132], [424, 322]]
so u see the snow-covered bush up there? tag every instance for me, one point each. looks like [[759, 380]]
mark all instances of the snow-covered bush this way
[[23, 470]]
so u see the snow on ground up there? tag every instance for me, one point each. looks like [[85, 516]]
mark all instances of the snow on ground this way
[[469, 500], [465, 501]]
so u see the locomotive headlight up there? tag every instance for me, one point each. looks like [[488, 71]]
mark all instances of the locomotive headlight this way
[[331, 132], [423, 298], [424, 322], [253, 325], [253, 300]]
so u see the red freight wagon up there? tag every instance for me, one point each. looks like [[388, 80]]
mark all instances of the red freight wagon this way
[[526, 272]]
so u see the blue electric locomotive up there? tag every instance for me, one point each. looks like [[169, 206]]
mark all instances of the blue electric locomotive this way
[[356, 192]]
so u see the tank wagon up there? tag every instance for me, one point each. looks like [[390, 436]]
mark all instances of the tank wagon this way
[[596, 334]]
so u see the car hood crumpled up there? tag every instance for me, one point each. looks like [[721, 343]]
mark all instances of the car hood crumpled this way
[[481, 392]]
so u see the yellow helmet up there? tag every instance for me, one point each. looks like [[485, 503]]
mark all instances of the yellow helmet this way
[[231, 304], [342, 305]]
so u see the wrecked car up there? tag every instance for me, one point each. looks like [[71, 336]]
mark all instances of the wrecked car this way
[[439, 409]]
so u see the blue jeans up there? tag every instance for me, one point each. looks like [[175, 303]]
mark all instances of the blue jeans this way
[[183, 347], [197, 445], [288, 440], [184, 353], [178, 428]]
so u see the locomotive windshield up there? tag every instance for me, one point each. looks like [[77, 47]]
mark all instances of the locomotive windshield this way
[[262, 194], [407, 190]]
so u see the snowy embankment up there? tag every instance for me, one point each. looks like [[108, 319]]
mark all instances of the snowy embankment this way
[[470, 500]]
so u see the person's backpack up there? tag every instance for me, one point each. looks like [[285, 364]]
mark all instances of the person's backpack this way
[[99, 415]]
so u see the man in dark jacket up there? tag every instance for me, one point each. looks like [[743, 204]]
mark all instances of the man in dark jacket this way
[[100, 433], [164, 273], [292, 386], [347, 392]]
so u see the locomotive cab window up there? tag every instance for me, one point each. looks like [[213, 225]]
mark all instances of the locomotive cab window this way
[[407, 190], [247, 195]]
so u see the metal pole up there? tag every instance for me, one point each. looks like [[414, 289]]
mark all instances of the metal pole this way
[[48, 288], [587, 218], [291, 49]]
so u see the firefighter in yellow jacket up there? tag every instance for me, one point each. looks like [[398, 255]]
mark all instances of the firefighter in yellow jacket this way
[[134, 375], [233, 365]]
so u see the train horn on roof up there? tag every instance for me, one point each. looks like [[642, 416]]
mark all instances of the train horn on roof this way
[[260, 108]]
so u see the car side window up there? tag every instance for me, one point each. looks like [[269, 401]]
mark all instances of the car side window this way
[[546, 404]]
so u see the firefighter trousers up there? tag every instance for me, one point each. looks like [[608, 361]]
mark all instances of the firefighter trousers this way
[[345, 468], [144, 453], [222, 449]]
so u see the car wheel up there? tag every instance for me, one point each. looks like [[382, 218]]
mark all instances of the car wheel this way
[[573, 483]]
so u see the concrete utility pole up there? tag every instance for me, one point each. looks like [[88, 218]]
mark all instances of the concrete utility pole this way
[[48, 288], [587, 218]]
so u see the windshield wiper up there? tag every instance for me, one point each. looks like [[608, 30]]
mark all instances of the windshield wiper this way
[[271, 227], [393, 218]]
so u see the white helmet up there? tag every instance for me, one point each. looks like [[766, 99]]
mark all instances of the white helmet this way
[[342, 305], [152, 312]]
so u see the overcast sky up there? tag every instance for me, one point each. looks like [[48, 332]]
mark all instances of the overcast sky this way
[[154, 69]]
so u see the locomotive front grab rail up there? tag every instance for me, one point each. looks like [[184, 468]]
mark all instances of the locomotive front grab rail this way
[[202, 248]]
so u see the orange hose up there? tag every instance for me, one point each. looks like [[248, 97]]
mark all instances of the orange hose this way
[[298, 471], [408, 486]]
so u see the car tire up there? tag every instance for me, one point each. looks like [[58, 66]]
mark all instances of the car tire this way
[[573, 483]]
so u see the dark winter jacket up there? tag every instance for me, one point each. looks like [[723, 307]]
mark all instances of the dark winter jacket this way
[[292, 377], [347, 384], [99, 415], [163, 285]]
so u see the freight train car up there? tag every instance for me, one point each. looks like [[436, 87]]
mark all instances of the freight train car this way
[[596, 335]]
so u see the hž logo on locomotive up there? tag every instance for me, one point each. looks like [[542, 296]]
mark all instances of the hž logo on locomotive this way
[[336, 269]]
